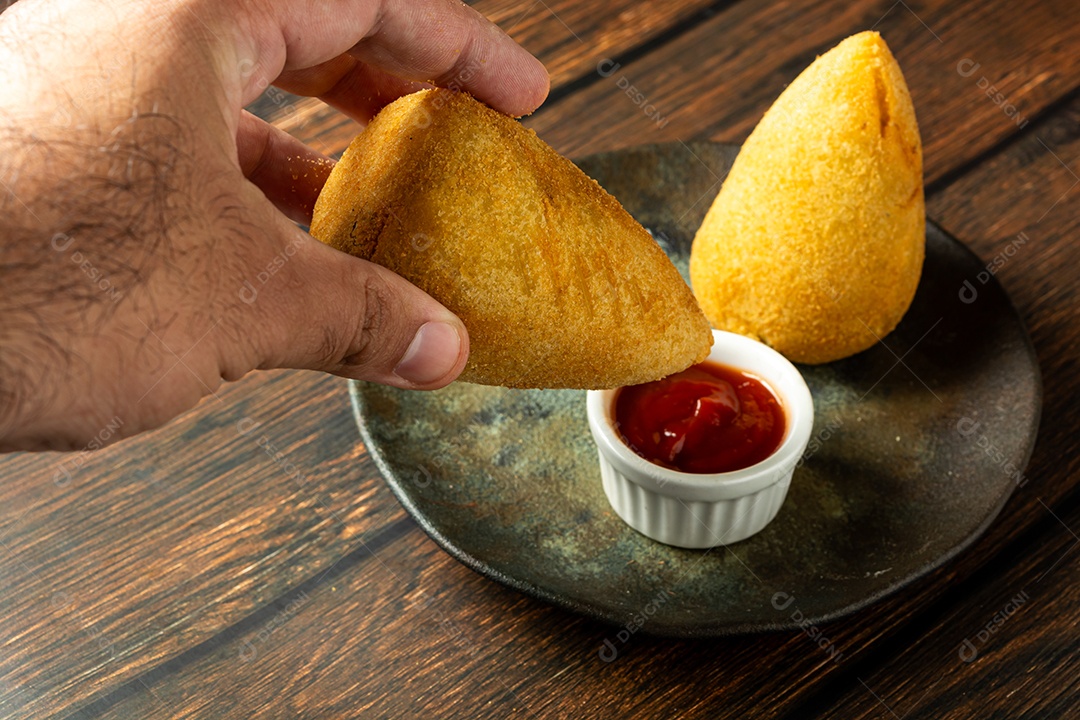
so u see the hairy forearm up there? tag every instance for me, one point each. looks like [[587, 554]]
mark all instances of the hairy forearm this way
[[102, 172], [81, 228]]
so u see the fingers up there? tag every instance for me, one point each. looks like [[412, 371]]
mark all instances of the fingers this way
[[357, 89], [289, 173], [451, 45], [325, 310], [444, 42]]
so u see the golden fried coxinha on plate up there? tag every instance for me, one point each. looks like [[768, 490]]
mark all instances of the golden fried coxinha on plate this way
[[558, 286], [815, 242]]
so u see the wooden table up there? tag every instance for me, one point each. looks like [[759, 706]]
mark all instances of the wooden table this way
[[200, 571]]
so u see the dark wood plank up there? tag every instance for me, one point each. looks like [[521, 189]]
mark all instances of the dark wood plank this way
[[569, 37], [1006, 650], [478, 649], [97, 567], [719, 79], [151, 546], [417, 635]]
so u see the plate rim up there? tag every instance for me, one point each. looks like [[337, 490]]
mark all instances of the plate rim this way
[[656, 627]]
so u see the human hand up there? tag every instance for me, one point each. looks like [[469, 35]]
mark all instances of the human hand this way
[[147, 251]]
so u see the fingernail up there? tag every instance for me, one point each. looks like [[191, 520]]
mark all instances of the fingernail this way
[[432, 354]]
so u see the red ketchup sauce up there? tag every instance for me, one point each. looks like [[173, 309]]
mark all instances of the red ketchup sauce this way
[[709, 418]]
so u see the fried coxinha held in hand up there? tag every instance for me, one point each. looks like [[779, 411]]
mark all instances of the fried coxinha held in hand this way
[[142, 207], [557, 284]]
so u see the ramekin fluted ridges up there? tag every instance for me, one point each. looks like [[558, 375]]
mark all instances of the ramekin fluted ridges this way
[[695, 510]]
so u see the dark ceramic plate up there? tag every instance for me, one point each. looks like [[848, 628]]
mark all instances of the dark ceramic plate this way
[[917, 444]]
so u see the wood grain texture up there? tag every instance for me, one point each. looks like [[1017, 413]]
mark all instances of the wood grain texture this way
[[414, 634], [568, 37], [741, 59], [418, 635], [1006, 649], [743, 56], [189, 573], [149, 547], [499, 652]]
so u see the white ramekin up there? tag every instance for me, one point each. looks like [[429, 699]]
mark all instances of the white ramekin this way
[[695, 510]]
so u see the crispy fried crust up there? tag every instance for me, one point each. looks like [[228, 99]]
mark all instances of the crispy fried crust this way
[[558, 286], [815, 243]]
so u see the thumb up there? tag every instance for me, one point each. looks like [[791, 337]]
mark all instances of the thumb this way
[[325, 310]]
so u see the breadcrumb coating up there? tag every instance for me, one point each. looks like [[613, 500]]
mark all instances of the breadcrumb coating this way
[[815, 242], [557, 285]]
